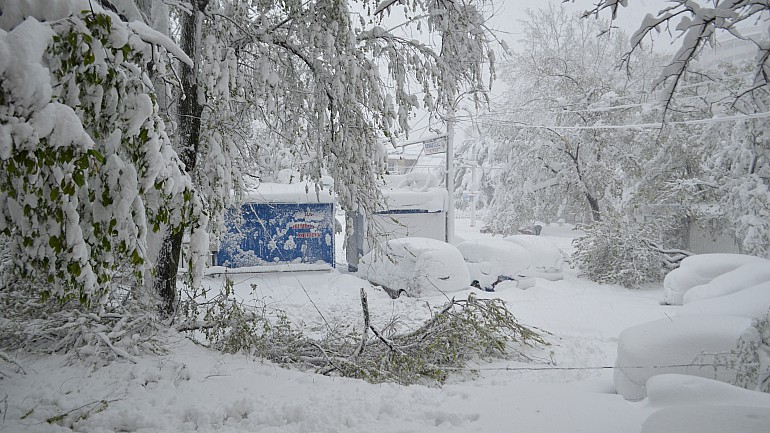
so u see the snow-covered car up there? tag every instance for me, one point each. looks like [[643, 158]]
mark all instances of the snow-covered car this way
[[415, 266], [752, 302], [698, 345], [738, 279], [695, 404], [489, 259], [547, 260], [701, 269]]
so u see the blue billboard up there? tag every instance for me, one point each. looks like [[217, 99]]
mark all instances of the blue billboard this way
[[278, 233]]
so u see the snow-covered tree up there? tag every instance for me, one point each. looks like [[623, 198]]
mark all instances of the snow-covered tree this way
[[326, 80], [86, 170], [560, 149], [325, 84], [476, 172], [729, 186]]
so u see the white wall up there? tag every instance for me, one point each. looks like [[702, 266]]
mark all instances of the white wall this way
[[426, 225]]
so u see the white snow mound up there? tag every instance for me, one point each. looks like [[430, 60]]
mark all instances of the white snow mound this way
[[489, 258], [753, 302], [708, 419], [547, 259], [666, 390]]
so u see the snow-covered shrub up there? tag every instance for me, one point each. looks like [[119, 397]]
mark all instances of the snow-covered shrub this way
[[121, 328], [86, 167], [616, 252]]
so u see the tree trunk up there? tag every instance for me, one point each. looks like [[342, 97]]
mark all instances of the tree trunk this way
[[594, 204], [156, 15], [188, 136]]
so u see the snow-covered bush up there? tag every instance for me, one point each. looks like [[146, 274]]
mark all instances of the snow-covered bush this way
[[616, 252]]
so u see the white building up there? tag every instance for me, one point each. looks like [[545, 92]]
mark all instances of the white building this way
[[731, 49]]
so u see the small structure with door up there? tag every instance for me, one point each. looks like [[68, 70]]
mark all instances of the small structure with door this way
[[280, 226], [414, 206]]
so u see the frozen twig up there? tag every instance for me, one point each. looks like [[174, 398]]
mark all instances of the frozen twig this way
[[7, 358], [365, 331], [120, 352]]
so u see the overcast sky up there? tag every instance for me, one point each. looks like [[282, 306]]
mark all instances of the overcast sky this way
[[510, 12], [506, 23]]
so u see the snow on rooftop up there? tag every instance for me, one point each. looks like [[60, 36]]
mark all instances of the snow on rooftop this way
[[414, 191], [303, 192]]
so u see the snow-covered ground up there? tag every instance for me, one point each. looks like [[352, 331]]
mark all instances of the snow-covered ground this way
[[569, 388]]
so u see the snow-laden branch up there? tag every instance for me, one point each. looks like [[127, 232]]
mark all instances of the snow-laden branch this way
[[155, 37], [697, 27]]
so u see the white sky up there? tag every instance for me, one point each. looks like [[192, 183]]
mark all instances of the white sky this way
[[506, 23], [510, 12]]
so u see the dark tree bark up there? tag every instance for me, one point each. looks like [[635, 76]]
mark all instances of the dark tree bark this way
[[594, 204], [188, 134]]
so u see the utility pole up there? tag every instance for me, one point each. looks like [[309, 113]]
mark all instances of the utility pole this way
[[474, 193], [450, 176]]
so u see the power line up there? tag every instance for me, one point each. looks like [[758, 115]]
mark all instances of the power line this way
[[603, 367], [641, 125]]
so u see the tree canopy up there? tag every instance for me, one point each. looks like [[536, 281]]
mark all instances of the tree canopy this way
[[164, 101]]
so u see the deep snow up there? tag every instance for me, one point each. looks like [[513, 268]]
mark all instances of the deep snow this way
[[570, 388]]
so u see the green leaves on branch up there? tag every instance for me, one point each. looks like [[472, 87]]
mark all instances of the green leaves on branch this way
[[458, 333], [91, 170]]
